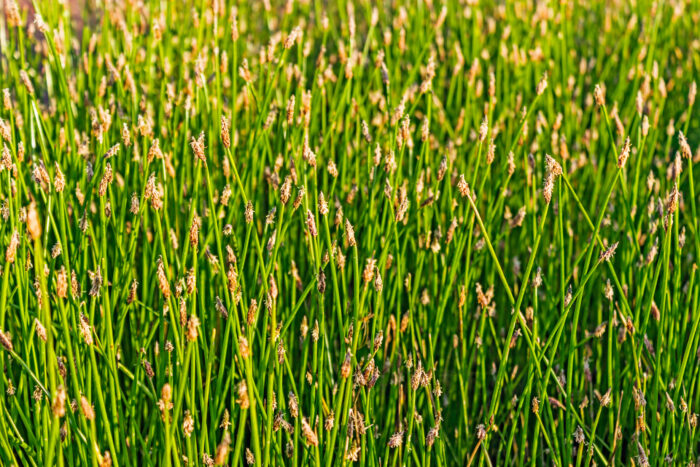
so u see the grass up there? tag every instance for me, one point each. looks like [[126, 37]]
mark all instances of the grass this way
[[324, 233]]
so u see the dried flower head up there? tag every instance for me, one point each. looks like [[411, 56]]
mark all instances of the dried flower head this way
[[624, 154], [686, 152], [197, 146], [607, 254], [599, 94]]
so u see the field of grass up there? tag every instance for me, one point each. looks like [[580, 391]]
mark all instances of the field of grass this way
[[318, 233]]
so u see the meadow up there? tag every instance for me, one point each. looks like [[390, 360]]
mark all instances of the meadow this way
[[310, 233]]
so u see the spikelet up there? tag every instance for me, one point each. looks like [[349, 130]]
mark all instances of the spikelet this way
[[292, 38], [40, 330], [187, 424], [6, 341], [107, 178], [350, 233], [58, 407], [28, 86], [252, 312], [197, 146], [11, 251], [322, 204], [225, 132], [309, 434], [311, 223], [85, 329], [242, 395], [62, 283], [222, 449], [244, 72], [86, 408], [491, 152], [249, 212], [671, 206], [599, 95], [607, 254], [293, 405], [12, 14], [163, 279], [346, 367], [624, 154], [290, 110], [192, 328], [396, 440], [33, 222], [553, 171], [463, 187], [692, 93], [483, 129], [542, 85], [686, 152]]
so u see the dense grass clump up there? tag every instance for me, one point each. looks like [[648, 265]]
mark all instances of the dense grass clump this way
[[425, 232]]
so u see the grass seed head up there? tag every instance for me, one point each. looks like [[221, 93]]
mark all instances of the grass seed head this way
[[28, 86], [225, 132], [542, 85], [606, 255], [33, 222], [686, 152], [311, 223], [85, 330], [624, 154], [396, 440], [6, 341], [599, 94], [187, 424], [86, 408], [192, 328], [197, 146], [309, 434]]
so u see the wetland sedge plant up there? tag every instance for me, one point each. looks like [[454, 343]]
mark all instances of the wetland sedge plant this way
[[430, 232]]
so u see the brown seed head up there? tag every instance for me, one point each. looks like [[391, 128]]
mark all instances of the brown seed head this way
[[40, 330], [624, 154], [86, 408], [58, 407], [12, 14], [686, 152], [608, 254], [225, 132], [599, 94], [85, 329], [692, 92], [483, 129], [33, 222], [396, 440], [187, 424], [463, 187], [197, 146], [292, 37], [24, 77], [350, 233], [11, 252], [606, 398], [192, 328], [542, 85], [309, 434], [346, 367], [311, 223], [6, 341], [293, 405], [249, 212]]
